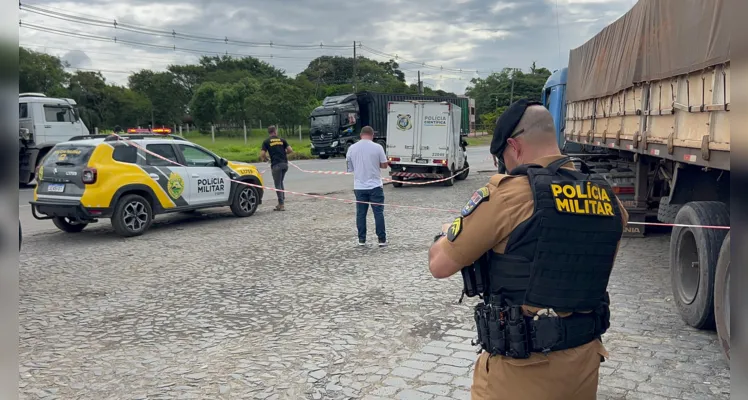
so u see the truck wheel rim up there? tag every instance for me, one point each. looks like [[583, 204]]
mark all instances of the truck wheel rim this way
[[135, 216], [688, 267], [247, 200]]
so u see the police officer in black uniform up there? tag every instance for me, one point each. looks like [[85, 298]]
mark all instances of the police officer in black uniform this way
[[537, 245]]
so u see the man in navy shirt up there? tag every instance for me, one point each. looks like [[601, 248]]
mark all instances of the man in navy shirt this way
[[278, 148]]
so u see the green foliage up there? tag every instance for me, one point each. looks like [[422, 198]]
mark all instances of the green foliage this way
[[167, 95], [204, 104], [230, 92], [41, 73], [496, 90]]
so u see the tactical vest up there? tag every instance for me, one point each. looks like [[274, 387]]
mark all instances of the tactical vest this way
[[560, 259], [562, 256]]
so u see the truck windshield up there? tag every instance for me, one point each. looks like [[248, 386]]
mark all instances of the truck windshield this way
[[325, 120], [72, 155]]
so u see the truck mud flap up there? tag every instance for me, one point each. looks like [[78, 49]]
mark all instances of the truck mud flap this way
[[635, 231]]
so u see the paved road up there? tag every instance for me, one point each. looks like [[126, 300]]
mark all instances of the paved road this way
[[295, 180], [285, 306]]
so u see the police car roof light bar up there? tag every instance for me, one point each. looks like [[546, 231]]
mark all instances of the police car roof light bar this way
[[112, 138]]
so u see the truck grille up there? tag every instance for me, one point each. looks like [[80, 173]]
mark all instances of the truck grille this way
[[322, 139]]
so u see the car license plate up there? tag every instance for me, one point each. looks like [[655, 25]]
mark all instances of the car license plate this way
[[322, 153], [422, 161], [56, 187]]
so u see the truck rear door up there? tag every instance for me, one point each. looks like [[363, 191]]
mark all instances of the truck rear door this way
[[435, 140], [401, 131]]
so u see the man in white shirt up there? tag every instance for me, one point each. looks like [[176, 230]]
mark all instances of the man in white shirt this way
[[365, 158]]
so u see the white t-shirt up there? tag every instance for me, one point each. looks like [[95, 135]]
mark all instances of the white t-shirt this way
[[363, 159]]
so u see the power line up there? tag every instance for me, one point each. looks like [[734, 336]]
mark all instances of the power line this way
[[100, 70], [50, 12], [422, 64], [150, 45], [169, 34], [118, 55]]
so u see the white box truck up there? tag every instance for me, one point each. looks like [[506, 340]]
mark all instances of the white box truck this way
[[423, 141], [43, 122]]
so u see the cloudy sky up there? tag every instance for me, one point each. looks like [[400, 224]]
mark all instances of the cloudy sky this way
[[438, 37]]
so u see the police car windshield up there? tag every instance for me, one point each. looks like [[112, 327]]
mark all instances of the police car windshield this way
[[68, 155]]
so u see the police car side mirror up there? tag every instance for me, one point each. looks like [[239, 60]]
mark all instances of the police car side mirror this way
[[222, 162]]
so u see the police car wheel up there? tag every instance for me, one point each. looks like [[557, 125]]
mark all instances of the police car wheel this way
[[67, 225], [132, 215], [693, 260], [245, 201]]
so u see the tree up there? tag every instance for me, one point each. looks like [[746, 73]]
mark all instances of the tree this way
[[204, 104], [333, 75], [285, 103], [167, 95], [499, 89], [41, 73]]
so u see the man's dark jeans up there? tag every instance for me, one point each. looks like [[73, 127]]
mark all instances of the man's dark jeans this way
[[375, 195], [279, 173]]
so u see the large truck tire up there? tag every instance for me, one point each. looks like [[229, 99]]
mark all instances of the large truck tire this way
[[666, 212], [693, 260], [464, 174], [450, 172], [722, 298]]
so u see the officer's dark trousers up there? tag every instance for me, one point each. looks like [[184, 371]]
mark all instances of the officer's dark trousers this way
[[375, 195], [570, 374], [279, 173]]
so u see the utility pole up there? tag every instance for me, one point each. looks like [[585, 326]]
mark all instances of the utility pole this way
[[511, 96], [153, 123], [354, 67], [420, 84], [319, 75]]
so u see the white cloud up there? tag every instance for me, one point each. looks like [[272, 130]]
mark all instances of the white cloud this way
[[503, 6], [483, 35]]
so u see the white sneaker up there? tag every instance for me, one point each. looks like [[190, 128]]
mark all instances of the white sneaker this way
[[361, 244]]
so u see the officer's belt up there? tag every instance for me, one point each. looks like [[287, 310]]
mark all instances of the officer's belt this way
[[516, 335]]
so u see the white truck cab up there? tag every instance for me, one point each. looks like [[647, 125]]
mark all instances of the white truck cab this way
[[43, 122], [424, 142]]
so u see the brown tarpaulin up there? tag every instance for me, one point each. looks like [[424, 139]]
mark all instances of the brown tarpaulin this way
[[656, 39]]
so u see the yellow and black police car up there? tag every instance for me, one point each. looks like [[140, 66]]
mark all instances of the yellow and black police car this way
[[119, 177]]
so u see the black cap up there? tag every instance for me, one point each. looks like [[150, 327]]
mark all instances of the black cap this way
[[507, 123]]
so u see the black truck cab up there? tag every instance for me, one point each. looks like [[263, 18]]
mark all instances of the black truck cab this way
[[337, 123]]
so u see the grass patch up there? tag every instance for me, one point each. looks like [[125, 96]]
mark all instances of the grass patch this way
[[230, 144], [233, 148], [480, 140]]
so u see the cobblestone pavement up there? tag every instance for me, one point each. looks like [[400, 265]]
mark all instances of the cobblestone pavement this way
[[285, 306]]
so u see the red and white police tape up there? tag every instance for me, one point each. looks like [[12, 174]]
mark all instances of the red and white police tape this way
[[130, 143], [384, 179]]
